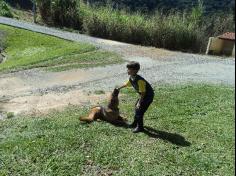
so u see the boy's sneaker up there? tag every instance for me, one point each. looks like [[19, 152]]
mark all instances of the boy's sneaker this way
[[138, 130], [132, 125]]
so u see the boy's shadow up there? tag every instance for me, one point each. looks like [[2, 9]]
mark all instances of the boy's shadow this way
[[151, 132], [170, 137]]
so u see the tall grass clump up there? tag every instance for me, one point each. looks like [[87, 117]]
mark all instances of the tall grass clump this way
[[185, 31], [60, 12], [171, 31], [117, 25], [5, 10]]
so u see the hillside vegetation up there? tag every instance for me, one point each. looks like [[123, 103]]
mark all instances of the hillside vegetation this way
[[185, 28], [186, 31]]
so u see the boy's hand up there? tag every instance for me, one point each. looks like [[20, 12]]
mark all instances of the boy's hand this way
[[117, 88]]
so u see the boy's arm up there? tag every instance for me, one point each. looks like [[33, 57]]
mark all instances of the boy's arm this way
[[127, 84], [122, 87], [142, 95], [142, 91]]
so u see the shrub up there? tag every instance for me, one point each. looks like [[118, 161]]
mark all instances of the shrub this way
[[10, 115], [117, 25], [2, 40], [60, 12], [5, 10], [45, 10]]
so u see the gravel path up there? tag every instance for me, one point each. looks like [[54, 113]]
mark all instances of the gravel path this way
[[158, 66]]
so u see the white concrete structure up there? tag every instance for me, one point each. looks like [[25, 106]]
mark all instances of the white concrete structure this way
[[222, 45]]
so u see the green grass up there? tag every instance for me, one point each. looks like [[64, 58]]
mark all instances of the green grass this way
[[26, 50], [191, 132]]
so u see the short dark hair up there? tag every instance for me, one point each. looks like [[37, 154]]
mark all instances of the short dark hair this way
[[133, 65]]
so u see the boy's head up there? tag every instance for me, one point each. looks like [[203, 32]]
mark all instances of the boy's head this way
[[133, 68]]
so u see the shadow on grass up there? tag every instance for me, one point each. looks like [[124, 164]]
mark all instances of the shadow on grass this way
[[157, 134], [153, 133], [170, 137]]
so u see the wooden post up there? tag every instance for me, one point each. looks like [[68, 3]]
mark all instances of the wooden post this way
[[209, 45]]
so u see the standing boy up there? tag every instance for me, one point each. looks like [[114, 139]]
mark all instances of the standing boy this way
[[145, 91]]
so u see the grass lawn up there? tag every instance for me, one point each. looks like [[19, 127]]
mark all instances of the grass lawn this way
[[26, 50], [190, 131]]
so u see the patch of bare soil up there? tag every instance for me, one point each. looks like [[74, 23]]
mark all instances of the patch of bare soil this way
[[36, 104], [27, 91]]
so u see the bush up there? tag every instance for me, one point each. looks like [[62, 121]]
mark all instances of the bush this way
[[2, 40], [60, 12], [171, 32], [10, 115], [5, 10], [45, 10]]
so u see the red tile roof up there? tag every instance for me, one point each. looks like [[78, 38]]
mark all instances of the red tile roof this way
[[227, 36]]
